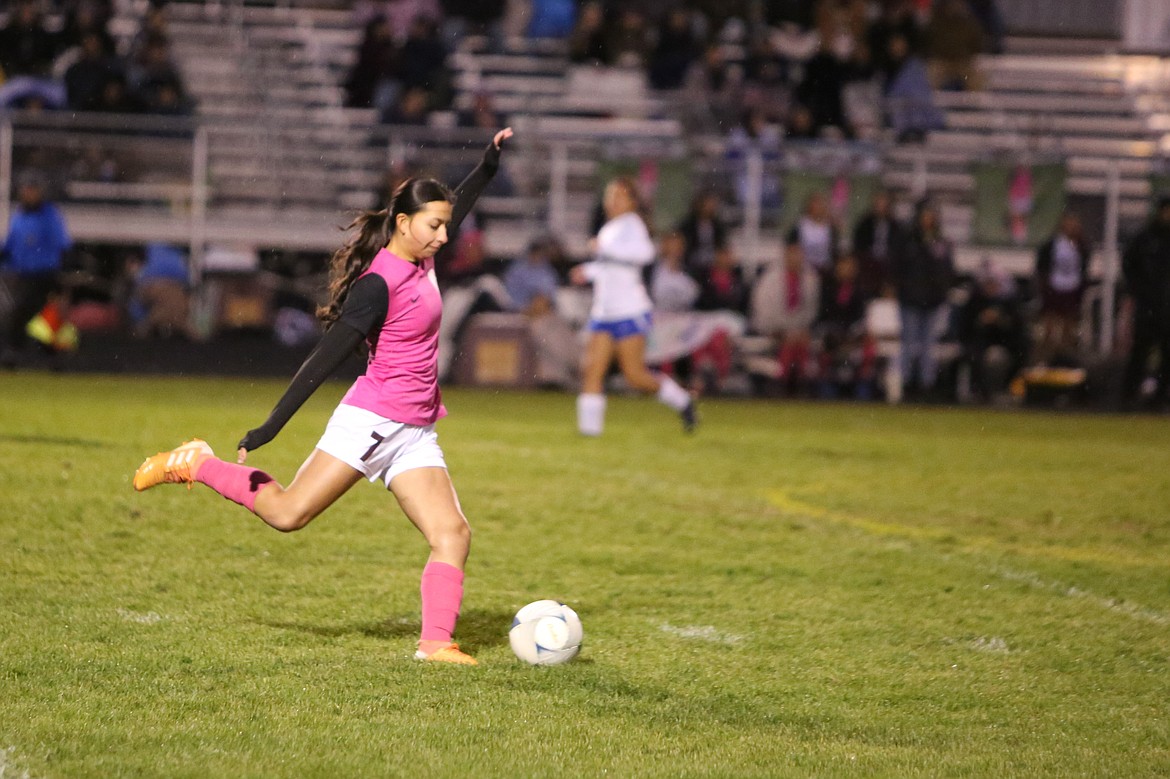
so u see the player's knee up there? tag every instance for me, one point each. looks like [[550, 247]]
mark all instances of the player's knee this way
[[455, 538], [290, 519]]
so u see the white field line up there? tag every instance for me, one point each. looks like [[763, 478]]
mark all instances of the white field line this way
[[7, 769], [701, 633], [994, 645], [786, 503], [1134, 610], [142, 618]]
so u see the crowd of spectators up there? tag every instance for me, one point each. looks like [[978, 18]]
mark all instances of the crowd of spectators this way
[[791, 65], [822, 304], [63, 56], [825, 301], [782, 70]]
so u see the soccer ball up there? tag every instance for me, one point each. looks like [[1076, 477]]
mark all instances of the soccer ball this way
[[546, 632]]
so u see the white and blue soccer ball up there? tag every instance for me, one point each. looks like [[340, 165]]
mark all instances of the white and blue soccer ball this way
[[546, 632]]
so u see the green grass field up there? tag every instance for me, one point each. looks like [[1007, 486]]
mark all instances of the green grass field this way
[[796, 590]]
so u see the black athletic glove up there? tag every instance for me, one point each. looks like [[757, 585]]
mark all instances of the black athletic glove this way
[[257, 437]]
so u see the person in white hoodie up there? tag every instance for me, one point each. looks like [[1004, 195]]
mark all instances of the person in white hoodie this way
[[620, 317]]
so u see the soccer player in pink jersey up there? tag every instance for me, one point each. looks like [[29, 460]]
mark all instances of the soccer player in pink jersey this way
[[382, 291]]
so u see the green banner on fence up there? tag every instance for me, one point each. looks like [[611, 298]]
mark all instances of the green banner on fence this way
[[1017, 205], [850, 196], [666, 185]]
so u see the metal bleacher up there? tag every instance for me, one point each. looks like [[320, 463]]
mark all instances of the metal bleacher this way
[[285, 159], [266, 80], [1098, 112]]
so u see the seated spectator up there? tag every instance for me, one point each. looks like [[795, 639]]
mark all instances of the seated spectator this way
[[953, 40], [704, 232], [27, 47], [694, 346], [552, 19], [165, 97], [88, 17], [924, 271], [714, 88], [677, 48], [993, 332], [897, 18], [424, 61], [115, 98], [470, 284], [152, 27], [816, 233], [821, 91], [910, 110], [672, 288], [412, 108], [374, 81], [1062, 275], [722, 286], [848, 353], [767, 78], [876, 238], [154, 79], [627, 40], [532, 282], [589, 42], [482, 113], [799, 126], [86, 78], [784, 303], [160, 301]]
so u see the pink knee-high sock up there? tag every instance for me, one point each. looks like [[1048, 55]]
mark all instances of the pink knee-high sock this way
[[235, 482], [442, 594]]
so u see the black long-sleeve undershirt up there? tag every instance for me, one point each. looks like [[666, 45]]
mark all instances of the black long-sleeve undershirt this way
[[364, 310]]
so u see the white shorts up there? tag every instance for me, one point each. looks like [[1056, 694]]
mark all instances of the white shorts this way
[[377, 447]]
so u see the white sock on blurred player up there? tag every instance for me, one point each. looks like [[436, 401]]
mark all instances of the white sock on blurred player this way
[[590, 413], [671, 394]]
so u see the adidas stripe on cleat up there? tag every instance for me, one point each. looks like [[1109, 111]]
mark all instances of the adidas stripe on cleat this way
[[174, 467]]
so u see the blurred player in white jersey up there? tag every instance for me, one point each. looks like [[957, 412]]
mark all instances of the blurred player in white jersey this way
[[620, 318]]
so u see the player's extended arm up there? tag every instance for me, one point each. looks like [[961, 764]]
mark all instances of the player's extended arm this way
[[471, 187], [626, 242], [335, 346]]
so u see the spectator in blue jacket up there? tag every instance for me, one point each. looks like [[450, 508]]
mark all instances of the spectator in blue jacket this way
[[30, 260], [552, 19]]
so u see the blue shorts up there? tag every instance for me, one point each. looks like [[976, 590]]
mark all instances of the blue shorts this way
[[622, 328]]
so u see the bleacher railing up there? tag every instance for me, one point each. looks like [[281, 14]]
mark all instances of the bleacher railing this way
[[137, 179]]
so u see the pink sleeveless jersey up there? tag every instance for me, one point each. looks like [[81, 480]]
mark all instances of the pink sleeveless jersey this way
[[401, 381]]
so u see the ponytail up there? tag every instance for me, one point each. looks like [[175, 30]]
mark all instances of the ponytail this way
[[370, 232]]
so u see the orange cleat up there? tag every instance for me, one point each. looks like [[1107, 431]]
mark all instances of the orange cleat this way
[[451, 653], [176, 466]]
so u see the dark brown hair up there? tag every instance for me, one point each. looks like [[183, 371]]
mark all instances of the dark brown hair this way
[[371, 231], [641, 207]]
